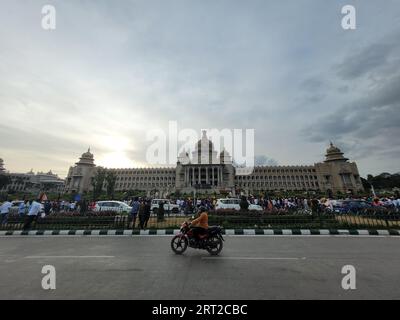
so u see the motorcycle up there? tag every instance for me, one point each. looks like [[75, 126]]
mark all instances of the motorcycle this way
[[212, 240]]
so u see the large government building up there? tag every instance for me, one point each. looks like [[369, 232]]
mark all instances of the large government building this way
[[210, 171], [31, 182]]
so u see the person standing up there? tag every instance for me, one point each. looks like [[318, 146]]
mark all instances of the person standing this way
[[244, 205], [141, 214], [315, 209], [134, 211], [72, 206], [147, 210], [34, 210], [47, 207], [23, 208], [305, 204], [160, 212], [83, 207], [5, 210]]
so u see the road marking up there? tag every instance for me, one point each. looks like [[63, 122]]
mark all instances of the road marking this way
[[69, 257], [253, 258]]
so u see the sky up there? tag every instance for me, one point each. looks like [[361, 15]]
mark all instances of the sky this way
[[113, 70]]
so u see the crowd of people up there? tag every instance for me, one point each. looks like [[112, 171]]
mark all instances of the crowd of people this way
[[142, 209], [292, 203], [30, 209]]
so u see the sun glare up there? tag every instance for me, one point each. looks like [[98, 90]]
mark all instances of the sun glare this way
[[116, 160]]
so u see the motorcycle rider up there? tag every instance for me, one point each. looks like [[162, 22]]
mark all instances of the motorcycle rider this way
[[200, 224]]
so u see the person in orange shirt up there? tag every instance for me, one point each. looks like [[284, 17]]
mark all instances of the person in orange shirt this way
[[200, 224]]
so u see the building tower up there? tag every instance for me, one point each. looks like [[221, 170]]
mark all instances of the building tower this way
[[337, 174], [79, 177]]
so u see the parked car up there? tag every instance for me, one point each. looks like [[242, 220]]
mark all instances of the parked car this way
[[117, 206], [350, 206], [168, 206], [233, 203]]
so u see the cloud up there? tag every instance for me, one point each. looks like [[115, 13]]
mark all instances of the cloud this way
[[365, 61], [109, 73], [262, 160], [367, 124]]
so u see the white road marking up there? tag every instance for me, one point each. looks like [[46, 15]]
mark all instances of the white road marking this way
[[253, 258], [69, 257]]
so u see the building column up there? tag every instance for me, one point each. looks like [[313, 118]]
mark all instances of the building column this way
[[192, 176], [212, 175], [207, 168], [199, 175]]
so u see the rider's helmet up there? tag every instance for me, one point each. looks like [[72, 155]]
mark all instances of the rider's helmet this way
[[202, 209]]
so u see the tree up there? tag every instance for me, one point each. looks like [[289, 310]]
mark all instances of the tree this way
[[111, 178], [5, 180], [97, 183], [384, 180]]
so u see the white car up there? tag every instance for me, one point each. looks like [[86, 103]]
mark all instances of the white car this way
[[233, 203], [168, 206], [117, 206]]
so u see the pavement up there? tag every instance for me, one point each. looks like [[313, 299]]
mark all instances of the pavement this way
[[249, 267]]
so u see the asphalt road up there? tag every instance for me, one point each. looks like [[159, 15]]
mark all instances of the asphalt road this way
[[248, 268]]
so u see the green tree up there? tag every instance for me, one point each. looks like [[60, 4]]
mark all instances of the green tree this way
[[97, 183], [5, 180], [111, 179]]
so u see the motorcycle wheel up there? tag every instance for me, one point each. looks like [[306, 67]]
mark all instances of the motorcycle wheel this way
[[214, 246], [179, 244]]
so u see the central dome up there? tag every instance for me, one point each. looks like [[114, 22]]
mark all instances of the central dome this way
[[204, 143], [204, 152]]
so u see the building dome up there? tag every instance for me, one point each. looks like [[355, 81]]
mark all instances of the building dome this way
[[333, 153], [183, 157], [332, 149], [87, 158], [225, 157], [87, 155], [204, 143], [204, 152]]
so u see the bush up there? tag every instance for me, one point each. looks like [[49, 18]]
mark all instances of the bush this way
[[260, 220]]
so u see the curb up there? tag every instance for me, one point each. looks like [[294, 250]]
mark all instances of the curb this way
[[244, 232]]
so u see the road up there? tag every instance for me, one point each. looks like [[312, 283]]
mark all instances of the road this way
[[249, 268]]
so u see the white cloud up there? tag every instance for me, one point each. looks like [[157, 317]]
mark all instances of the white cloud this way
[[113, 71]]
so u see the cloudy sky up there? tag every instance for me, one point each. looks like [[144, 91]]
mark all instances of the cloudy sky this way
[[112, 70]]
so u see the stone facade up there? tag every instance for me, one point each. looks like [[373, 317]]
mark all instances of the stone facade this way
[[79, 177], [208, 171], [33, 183]]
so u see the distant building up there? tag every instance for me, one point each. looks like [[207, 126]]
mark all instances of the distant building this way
[[31, 182], [206, 171], [2, 169]]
